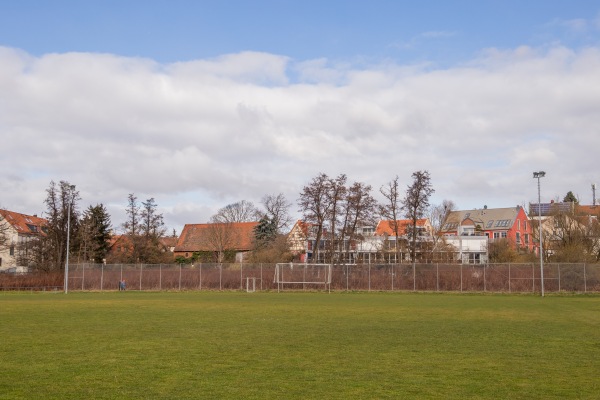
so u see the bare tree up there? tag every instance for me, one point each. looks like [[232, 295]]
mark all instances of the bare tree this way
[[336, 193], [60, 200], [220, 237], [315, 207], [390, 210], [242, 211], [437, 215], [277, 210], [144, 227], [415, 203], [358, 208]]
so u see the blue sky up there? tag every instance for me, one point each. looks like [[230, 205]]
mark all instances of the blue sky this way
[[403, 31], [202, 103]]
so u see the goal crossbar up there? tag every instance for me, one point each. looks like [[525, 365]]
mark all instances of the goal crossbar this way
[[302, 274]]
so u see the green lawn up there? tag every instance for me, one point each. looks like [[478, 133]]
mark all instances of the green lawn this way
[[298, 345]]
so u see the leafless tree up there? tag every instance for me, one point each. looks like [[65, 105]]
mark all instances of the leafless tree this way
[[437, 215], [358, 208], [242, 211], [336, 193], [144, 227], [315, 207], [220, 237], [60, 200], [277, 210], [390, 210], [415, 202]]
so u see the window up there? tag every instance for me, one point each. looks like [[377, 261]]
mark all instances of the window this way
[[503, 235], [496, 235], [518, 237], [12, 250], [525, 225], [518, 225], [490, 224], [526, 238]]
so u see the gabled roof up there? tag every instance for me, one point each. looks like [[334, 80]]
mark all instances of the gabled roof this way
[[201, 237], [488, 219], [25, 224], [386, 227]]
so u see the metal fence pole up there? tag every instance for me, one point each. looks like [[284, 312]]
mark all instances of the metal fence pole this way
[[558, 268], [102, 278], [82, 275], [180, 277], [141, 271], [369, 272], [509, 288], [533, 277], [484, 282], [584, 279], [461, 278], [437, 277]]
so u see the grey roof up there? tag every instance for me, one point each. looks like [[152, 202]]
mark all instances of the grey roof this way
[[487, 219]]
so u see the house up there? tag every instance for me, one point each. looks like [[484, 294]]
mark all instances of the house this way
[[16, 231], [369, 243], [385, 232], [488, 225], [216, 238]]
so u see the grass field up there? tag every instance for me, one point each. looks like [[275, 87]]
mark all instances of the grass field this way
[[170, 345]]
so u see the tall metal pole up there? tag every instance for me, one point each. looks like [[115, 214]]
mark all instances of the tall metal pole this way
[[539, 175], [67, 259]]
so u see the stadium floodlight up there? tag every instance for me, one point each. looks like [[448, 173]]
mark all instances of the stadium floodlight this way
[[72, 187], [538, 175]]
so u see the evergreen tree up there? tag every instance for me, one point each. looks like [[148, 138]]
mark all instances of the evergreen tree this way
[[94, 234], [265, 231], [570, 198]]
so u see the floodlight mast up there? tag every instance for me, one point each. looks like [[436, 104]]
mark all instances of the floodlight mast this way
[[538, 175], [72, 187]]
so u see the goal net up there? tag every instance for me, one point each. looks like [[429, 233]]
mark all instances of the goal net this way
[[301, 275]]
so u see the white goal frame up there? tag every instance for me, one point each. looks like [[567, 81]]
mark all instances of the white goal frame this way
[[284, 275]]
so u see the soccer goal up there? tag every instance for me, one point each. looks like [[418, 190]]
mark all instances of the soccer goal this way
[[301, 275]]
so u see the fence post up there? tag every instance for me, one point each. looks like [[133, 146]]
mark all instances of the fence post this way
[[102, 278], [82, 275], [584, 280], [200, 273], [180, 277], [369, 273], [437, 277], [509, 288], [533, 278], [220, 276], [461, 277], [347, 273], [414, 278], [484, 282], [261, 278], [141, 271], [558, 268], [242, 273]]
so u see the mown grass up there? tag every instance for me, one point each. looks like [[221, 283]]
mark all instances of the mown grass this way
[[298, 345]]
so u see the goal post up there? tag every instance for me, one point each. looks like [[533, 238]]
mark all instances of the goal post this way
[[296, 274]]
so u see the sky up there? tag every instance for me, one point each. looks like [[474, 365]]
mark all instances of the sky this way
[[199, 104]]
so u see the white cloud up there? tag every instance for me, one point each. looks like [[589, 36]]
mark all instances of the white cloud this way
[[198, 135]]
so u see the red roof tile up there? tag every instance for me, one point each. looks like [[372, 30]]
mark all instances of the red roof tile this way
[[202, 237], [25, 224]]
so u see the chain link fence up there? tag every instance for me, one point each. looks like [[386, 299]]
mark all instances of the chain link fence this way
[[501, 278], [509, 278]]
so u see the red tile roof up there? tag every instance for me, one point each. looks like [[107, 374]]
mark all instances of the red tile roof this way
[[386, 227], [201, 237], [25, 224]]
